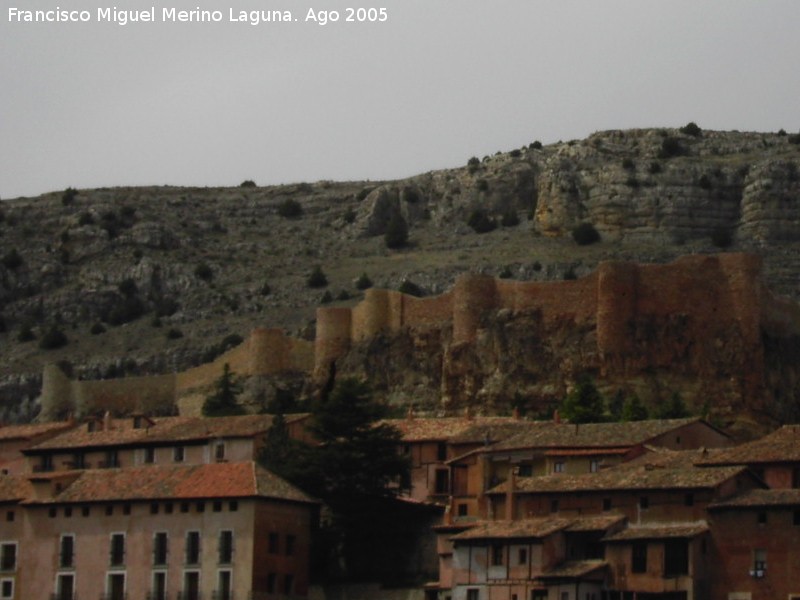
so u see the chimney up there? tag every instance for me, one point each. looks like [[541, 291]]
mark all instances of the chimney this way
[[510, 493], [556, 416], [107, 421]]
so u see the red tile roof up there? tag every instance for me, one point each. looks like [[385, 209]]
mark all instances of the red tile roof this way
[[32, 430], [14, 488], [625, 477], [432, 429], [164, 430], [782, 445], [659, 532], [215, 480], [521, 529], [596, 522], [574, 569], [761, 499], [592, 435]]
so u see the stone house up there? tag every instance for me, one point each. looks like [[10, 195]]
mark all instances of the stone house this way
[[16, 438]]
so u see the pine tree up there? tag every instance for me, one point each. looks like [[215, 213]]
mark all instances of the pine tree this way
[[634, 409], [584, 404], [222, 402]]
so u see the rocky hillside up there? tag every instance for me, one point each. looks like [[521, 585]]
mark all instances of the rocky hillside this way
[[147, 280]]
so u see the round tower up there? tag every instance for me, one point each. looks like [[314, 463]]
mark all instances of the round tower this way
[[616, 306], [332, 340], [473, 296]]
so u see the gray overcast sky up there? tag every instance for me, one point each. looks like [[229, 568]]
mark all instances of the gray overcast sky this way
[[100, 104]]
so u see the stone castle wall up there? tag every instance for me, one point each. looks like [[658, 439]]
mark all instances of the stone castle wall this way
[[713, 294]]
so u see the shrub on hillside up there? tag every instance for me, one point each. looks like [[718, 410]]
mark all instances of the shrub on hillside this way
[[396, 235], [585, 234], [510, 218], [25, 334], [97, 329], [204, 272], [317, 278], [174, 334], [290, 209], [248, 183], [52, 339], [671, 147], [691, 129], [69, 195], [481, 222], [537, 145], [473, 164], [363, 282], [125, 310], [411, 288], [12, 260]]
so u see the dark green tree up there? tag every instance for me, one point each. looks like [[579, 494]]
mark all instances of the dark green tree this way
[[674, 408], [634, 409], [584, 404], [615, 405], [222, 402], [396, 235]]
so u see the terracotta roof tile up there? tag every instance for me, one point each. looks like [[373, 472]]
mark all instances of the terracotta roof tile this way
[[32, 430], [782, 445], [626, 477], [591, 435], [574, 569], [521, 529], [596, 522], [14, 488], [423, 429], [164, 430], [492, 432], [215, 480], [658, 532], [762, 499]]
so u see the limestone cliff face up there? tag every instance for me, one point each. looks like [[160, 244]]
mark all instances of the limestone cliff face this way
[[703, 326]]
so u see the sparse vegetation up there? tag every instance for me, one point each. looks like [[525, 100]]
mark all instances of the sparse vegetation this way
[[411, 288], [628, 164], [265, 289], [691, 129], [25, 334], [12, 260], [174, 334], [585, 234], [326, 298], [537, 145], [97, 329], [69, 195], [203, 271], [363, 282], [481, 222], [290, 209], [396, 235], [248, 183], [705, 182], [473, 164], [671, 147], [53, 339], [317, 278]]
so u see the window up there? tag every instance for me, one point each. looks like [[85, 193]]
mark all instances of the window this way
[[79, 460], [538, 594], [558, 466], [111, 460], [606, 504], [117, 553], [68, 511], [85, 511], [442, 481], [288, 584], [159, 586], [191, 586], [201, 507], [225, 547], [217, 506], [160, 548], [178, 454], [759, 559], [184, 507], [497, 555], [762, 517], [126, 509], [109, 510], [66, 553], [8, 557], [473, 594], [522, 556], [644, 502], [688, 499], [224, 587], [168, 508], [554, 505], [115, 587], [233, 505], [796, 517], [45, 464], [594, 465], [676, 557], [462, 510], [290, 543], [154, 508], [10, 516], [149, 455], [525, 470], [6, 589], [52, 512], [639, 557], [192, 547], [65, 587], [441, 451], [219, 451], [271, 579], [272, 543]]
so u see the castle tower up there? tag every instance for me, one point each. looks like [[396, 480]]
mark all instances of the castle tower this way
[[616, 306], [333, 338], [473, 296]]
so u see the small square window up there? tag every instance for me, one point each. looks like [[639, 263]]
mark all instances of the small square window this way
[[184, 507], [233, 505], [762, 517], [126, 509], [109, 510], [217, 506], [154, 508], [688, 500], [168, 508], [149, 455], [522, 556], [463, 510], [10, 516], [606, 504], [178, 454], [85, 511], [67, 511], [272, 543], [7, 588], [52, 513], [644, 502], [554, 505], [558, 467], [201, 507]]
